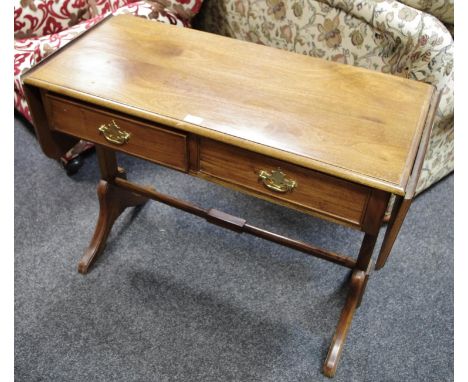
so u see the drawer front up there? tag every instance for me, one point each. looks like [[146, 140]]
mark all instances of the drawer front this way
[[313, 191], [144, 140]]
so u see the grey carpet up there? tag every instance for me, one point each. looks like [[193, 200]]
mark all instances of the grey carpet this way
[[174, 298]]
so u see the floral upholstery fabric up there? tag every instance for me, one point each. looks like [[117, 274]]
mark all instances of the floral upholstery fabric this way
[[383, 35], [43, 26], [442, 9], [35, 18]]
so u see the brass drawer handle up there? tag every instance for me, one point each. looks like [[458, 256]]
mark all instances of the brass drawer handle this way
[[277, 181], [114, 134]]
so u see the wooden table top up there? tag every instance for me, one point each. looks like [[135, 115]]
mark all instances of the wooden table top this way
[[349, 122]]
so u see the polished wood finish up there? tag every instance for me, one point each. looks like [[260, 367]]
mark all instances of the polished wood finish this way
[[112, 202], [330, 117], [358, 284], [194, 153], [344, 138], [225, 220], [53, 145], [422, 147], [402, 204], [373, 218], [236, 224], [365, 252], [356, 289], [147, 141], [108, 164], [338, 199], [399, 211], [308, 249], [361, 266]]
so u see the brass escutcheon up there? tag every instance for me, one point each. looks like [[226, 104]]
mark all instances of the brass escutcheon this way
[[276, 180], [113, 133]]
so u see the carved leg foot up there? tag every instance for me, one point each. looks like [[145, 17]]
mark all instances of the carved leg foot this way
[[112, 202], [357, 286]]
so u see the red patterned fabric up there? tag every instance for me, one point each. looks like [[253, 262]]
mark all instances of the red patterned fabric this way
[[186, 9], [100, 7], [152, 11], [43, 26], [35, 18], [30, 51]]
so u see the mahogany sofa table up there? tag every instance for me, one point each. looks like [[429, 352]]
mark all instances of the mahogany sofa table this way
[[331, 140]]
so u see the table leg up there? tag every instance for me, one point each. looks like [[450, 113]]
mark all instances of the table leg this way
[[397, 218], [357, 286], [112, 202]]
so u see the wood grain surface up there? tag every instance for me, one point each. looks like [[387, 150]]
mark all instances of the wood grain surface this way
[[326, 195], [153, 143], [349, 122], [234, 113]]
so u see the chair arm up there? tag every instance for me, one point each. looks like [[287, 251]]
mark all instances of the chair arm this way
[[442, 9], [35, 18], [101, 7]]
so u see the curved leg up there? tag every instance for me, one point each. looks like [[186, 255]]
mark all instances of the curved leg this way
[[112, 202], [357, 286]]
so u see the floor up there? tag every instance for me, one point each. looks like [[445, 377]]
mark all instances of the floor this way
[[174, 298]]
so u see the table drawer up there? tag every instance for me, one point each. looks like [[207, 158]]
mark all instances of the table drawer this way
[[313, 191], [145, 140]]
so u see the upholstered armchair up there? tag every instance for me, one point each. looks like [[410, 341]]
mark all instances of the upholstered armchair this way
[[43, 26], [441, 9], [409, 38]]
